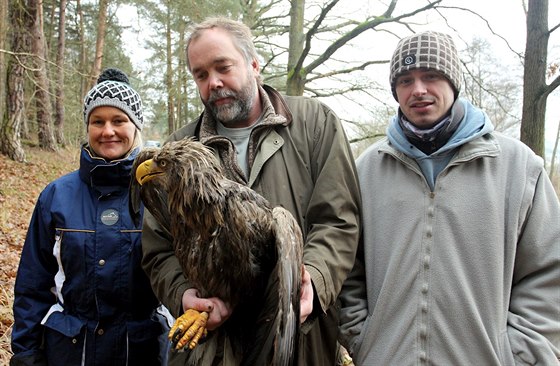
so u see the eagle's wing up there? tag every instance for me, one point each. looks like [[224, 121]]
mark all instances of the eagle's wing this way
[[278, 332], [151, 194]]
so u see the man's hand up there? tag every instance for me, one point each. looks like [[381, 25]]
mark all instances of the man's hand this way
[[218, 310], [306, 301]]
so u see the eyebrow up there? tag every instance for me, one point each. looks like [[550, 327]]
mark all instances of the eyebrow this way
[[119, 114], [216, 61]]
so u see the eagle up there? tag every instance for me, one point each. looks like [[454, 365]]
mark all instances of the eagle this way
[[231, 244]]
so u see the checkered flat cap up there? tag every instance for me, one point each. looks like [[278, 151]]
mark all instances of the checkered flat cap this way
[[431, 50], [113, 89]]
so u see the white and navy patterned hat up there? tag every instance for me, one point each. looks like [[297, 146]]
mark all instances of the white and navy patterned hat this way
[[113, 89], [431, 50]]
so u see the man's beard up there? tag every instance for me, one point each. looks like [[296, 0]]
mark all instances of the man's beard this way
[[238, 110]]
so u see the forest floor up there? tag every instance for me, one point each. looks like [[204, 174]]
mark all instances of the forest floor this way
[[20, 185]]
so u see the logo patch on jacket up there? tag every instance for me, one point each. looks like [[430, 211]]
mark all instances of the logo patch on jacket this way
[[110, 217]]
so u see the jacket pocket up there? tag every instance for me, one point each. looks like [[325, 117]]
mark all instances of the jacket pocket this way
[[68, 325], [67, 333]]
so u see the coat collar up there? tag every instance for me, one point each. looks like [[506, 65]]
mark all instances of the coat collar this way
[[106, 177]]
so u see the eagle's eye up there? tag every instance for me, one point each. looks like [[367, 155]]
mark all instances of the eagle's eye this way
[[162, 163]]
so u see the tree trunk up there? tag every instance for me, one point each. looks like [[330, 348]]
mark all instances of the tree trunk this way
[[182, 92], [51, 5], [3, 65], [42, 95], [84, 80], [169, 73], [83, 52], [59, 92], [554, 151], [295, 82], [100, 43], [534, 76], [10, 143]]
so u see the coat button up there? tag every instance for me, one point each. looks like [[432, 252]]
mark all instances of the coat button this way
[[102, 262], [426, 261], [74, 341], [100, 332]]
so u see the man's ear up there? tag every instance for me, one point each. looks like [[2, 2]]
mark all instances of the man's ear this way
[[256, 67]]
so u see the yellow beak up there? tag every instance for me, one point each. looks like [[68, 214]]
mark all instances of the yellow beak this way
[[144, 171]]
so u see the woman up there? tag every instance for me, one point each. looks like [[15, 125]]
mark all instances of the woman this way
[[81, 297]]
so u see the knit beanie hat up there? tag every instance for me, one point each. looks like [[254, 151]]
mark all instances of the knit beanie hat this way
[[432, 50], [113, 89]]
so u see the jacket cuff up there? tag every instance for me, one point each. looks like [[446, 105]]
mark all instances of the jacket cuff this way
[[319, 289]]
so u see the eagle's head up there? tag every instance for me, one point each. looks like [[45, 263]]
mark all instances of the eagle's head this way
[[184, 167], [185, 157]]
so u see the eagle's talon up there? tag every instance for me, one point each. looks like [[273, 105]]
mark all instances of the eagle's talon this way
[[188, 329], [200, 334], [176, 336]]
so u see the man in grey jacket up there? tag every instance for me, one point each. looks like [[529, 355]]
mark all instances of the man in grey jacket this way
[[460, 263], [291, 150]]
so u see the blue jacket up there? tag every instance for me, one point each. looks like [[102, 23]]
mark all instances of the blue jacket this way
[[80, 293]]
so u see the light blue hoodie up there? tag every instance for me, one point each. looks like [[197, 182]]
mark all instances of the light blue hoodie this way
[[474, 124]]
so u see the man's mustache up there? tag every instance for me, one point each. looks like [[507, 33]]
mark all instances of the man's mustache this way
[[219, 94]]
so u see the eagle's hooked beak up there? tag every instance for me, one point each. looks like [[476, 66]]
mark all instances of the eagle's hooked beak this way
[[146, 171]]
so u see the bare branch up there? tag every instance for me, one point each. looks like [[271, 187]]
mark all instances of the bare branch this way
[[482, 86], [19, 55], [337, 26], [347, 71], [366, 137], [311, 33], [520, 55], [552, 86], [390, 9], [323, 92], [371, 24]]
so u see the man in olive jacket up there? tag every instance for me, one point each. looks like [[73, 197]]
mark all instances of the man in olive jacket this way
[[291, 150]]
